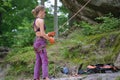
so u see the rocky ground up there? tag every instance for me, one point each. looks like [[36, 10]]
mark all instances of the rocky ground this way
[[98, 76], [105, 76], [102, 76]]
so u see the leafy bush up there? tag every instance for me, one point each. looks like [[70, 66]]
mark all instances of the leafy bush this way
[[88, 29], [25, 35], [109, 23], [6, 39], [21, 60]]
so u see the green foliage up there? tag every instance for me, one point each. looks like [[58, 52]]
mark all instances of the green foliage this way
[[51, 68], [12, 16], [21, 60], [15, 13], [10, 78], [65, 53], [5, 5], [118, 78], [49, 22], [108, 23], [90, 52], [6, 39], [25, 35], [63, 9], [54, 69], [88, 29]]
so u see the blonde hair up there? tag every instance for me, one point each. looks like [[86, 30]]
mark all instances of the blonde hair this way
[[37, 10]]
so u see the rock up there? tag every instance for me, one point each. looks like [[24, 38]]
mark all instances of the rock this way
[[94, 9], [70, 78], [102, 43], [106, 76], [112, 40], [3, 54], [3, 51], [86, 49], [117, 62]]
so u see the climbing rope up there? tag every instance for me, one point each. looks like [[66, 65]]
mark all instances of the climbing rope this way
[[76, 13]]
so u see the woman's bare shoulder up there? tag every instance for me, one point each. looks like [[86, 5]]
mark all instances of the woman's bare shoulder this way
[[40, 20]]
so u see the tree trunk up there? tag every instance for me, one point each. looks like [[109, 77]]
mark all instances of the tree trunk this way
[[42, 2], [55, 19], [0, 23]]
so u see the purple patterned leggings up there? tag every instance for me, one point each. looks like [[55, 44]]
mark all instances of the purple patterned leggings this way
[[41, 59]]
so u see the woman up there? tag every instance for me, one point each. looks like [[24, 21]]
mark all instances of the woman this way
[[40, 43]]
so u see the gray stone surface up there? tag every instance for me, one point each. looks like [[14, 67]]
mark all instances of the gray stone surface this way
[[106, 76], [102, 76], [117, 62]]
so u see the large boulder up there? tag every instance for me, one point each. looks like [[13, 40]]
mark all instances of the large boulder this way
[[95, 8]]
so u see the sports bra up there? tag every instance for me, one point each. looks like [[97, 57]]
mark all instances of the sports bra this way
[[34, 25]]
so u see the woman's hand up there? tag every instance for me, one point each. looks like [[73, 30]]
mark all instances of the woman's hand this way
[[51, 34]]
